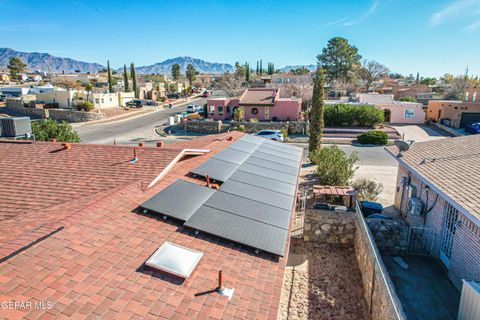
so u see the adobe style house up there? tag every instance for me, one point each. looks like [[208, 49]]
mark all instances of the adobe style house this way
[[257, 103], [437, 191], [395, 111], [73, 234], [460, 113]]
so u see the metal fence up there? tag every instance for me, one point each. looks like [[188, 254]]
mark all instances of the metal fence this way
[[382, 300]]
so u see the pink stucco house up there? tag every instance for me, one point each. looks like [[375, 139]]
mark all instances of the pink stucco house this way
[[257, 103]]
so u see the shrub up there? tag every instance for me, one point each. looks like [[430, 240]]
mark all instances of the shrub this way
[[241, 128], [334, 167], [284, 133], [407, 99], [373, 137], [193, 116], [49, 129], [367, 189], [345, 114], [85, 106], [163, 99]]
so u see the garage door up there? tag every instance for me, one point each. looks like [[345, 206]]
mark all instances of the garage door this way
[[469, 118]]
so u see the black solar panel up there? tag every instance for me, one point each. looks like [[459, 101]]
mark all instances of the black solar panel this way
[[231, 155], [244, 146], [273, 198], [239, 229], [215, 168], [269, 173], [252, 139], [263, 182], [179, 200], [278, 153], [276, 159]]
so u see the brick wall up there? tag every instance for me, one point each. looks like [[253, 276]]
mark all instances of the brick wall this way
[[464, 263]]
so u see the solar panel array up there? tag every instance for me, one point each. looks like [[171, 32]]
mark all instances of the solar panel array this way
[[253, 206]]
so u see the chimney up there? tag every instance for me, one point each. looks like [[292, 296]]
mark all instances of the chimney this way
[[141, 144], [66, 146], [160, 144]]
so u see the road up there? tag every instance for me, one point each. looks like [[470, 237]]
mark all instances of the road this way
[[130, 131]]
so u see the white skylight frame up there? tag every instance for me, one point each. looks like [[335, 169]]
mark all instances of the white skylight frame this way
[[175, 259]]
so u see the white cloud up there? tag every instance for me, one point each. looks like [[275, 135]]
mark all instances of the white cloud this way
[[455, 10], [473, 26], [364, 17]]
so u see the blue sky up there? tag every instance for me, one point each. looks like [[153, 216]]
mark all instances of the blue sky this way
[[429, 36]]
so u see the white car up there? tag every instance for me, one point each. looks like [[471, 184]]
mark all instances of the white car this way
[[270, 134], [194, 108]]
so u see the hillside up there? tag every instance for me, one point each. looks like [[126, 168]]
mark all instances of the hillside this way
[[201, 66]]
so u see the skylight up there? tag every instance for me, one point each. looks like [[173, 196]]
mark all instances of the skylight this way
[[175, 259]]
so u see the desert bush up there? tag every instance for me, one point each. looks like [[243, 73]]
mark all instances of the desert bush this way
[[367, 189], [373, 137], [193, 116], [85, 106], [334, 167]]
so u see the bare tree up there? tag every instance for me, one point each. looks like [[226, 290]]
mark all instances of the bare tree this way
[[370, 72], [231, 84], [67, 83]]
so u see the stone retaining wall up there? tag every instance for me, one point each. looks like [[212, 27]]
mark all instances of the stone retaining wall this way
[[391, 237], [202, 126], [16, 107], [330, 227]]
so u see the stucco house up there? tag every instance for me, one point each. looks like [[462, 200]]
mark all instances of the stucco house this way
[[395, 111], [437, 192], [257, 103]]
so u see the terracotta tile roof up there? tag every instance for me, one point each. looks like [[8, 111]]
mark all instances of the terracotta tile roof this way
[[38, 175], [258, 96], [92, 266], [450, 165]]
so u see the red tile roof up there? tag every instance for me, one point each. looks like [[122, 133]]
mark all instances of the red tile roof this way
[[92, 265], [258, 96]]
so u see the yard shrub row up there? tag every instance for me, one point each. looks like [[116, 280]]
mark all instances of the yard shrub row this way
[[373, 137], [352, 115]]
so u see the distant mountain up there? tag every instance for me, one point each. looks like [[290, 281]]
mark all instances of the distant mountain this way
[[202, 66], [48, 63], [311, 67]]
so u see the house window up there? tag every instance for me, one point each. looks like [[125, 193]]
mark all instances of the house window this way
[[110, 99], [97, 100], [409, 113], [254, 110], [466, 96], [228, 110], [103, 100], [267, 113], [212, 110], [474, 97], [220, 110]]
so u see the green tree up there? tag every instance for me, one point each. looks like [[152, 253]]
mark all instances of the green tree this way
[[429, 81], [408, 99], [49, 129], [316, 124], [134, 79], [176, 71], [109, 74], [339, 59], [190, 73], [334, 168], [240, 71], [125, 78], [238, 115], [261, 68], [247, 72], [258, 68], [16, 66], [88, 88]]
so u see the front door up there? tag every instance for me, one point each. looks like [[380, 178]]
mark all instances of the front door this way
[[448, 234]]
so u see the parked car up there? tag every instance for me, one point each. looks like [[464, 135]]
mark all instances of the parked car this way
[[134, 104], [205, 94], [194, 108], [270, 134], [173, 96], [473, 128]]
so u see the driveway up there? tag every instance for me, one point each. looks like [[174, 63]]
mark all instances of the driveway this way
[[420, 133]]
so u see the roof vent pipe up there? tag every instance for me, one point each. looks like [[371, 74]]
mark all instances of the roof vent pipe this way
[[160, 144], [208, 181], [66, 146], [135, 159], [141, 144]]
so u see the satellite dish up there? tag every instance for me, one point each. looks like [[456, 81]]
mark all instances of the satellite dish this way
[[402, 146]]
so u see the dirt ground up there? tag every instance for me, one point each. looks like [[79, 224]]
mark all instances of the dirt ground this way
[[322, 282]]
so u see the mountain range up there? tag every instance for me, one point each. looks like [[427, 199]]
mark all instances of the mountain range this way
[[48, 63]]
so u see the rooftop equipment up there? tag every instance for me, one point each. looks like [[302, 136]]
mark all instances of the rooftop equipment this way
[[15, 127], [175, 259]]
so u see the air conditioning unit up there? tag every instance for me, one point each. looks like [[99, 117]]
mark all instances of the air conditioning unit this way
[[469, 308], [415, 206], [15, 127]]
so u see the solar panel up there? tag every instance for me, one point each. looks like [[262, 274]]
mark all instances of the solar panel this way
[[269, 173], [263, 182], [231, 155], [275, 159], [179, 200], [282, 148], [215, 168], [239, 229], [278, 153], [243, 146], [252, 139], [271, 165], [283, 145], [266, 196], [250, 209]]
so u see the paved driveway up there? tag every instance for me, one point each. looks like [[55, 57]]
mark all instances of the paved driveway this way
[[420, 133]]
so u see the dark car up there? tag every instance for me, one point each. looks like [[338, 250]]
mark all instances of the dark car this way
[[134, 104], [173, 96], [473, 128], [205, 94]]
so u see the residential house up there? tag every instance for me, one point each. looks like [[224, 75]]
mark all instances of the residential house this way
[[437, 191], [15, 91], [152, 91], [421, 92], [5, 77], [395, 111], [72, 234], [59, 98], [257, 103], [103, 100]]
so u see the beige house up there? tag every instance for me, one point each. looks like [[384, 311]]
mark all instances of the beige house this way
[[4, 77], [58, 98]]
